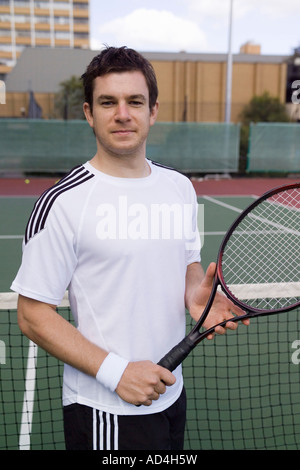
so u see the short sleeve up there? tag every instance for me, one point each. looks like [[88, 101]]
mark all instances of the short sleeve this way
[[48, 261]]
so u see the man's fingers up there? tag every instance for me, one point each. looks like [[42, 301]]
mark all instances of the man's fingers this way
[[166, 377], [230, 325], [143, 381], [209, 276]]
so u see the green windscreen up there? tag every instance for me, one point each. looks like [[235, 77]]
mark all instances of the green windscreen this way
[[274, 147], [37, 146]]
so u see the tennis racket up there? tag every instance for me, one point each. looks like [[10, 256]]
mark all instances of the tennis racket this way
[[260, 253]]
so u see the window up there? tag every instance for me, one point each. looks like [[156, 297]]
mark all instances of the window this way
[[61, 6], [81, 35], [23, 34], [6, 47], [22, 19], [4, 18], [42, 5], [42, 34], [62, 35], [83, 6], [22, 3], [81, 21], [42, 19], [62, 19], [7, 62]]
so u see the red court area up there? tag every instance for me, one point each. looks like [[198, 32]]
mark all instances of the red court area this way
[[203, 186], [238, 186]]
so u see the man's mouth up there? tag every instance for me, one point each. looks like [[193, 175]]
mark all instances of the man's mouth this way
[[123, 131]]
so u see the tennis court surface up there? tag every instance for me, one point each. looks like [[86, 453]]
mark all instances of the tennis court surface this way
[[243, 388]]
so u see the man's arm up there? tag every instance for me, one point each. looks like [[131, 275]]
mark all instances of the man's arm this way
[[198, 288], [140, 383]]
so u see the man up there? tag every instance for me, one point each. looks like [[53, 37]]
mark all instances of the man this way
[[99, 233]]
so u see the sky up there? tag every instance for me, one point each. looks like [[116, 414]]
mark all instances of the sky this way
[[197, 26]]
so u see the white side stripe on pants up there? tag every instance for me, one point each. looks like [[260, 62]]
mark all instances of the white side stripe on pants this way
[[105, 431]]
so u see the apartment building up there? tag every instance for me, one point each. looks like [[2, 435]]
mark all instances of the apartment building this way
[[46, 23]]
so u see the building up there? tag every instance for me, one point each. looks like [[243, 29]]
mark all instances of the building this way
[[250, 48], [192, 87], [41, 24]]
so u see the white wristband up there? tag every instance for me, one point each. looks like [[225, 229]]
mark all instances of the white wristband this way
[[111, 371]]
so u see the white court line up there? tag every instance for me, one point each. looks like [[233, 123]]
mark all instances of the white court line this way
[[30, 380], [11, 237], [256, 217], [212, 233], [28, 400], [224, 204]]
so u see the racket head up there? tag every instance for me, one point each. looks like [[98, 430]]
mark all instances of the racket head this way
[[286, 197], [258, 264]]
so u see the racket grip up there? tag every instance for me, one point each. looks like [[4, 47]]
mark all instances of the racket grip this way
[[177, 354]]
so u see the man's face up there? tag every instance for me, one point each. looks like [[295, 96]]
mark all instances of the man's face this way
[[121, 116]]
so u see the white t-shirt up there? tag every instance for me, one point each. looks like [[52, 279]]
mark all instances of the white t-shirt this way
[[121, 247]]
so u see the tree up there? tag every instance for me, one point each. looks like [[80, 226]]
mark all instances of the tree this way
[[264, 108], [69, 99]]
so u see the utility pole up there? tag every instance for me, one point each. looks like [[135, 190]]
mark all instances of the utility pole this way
[[229, 69]]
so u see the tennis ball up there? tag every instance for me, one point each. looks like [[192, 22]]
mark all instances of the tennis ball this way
[[27, 181]]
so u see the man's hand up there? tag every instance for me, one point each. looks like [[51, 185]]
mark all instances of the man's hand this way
[[221, 310], [143, 381]]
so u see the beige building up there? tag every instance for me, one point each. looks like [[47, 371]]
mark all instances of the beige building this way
[[41, 24], [192, 87]]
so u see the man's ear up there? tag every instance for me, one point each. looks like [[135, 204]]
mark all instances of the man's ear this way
[[154, 113], [88, 114]]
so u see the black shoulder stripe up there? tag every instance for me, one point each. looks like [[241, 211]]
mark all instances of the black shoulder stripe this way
[[168, 168], [162, 166], [41, 210]]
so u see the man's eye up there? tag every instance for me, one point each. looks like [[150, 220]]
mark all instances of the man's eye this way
[[136, 103], [107, 103]]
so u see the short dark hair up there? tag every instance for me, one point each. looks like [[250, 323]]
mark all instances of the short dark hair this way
[[117, 60]]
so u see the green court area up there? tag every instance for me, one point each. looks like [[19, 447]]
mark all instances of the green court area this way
[[243, 388]]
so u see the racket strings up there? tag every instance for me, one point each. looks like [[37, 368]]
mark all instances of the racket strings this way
[[263, 250]]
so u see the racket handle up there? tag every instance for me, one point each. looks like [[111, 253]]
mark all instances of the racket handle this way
[[177, 354]]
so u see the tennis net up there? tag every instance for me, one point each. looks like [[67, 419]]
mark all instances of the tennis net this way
[[242, 388]]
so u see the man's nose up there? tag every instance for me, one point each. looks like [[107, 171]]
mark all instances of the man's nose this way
[[122, 112]]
